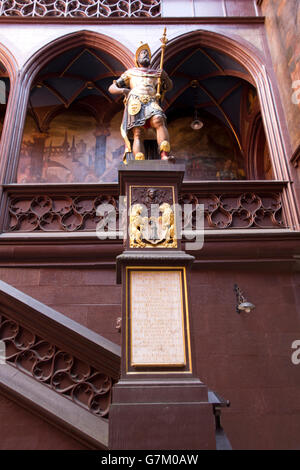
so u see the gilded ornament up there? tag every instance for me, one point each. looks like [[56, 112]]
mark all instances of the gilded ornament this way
[[134, 106], [152, 232], [167, 225], [139, 156], [142, 47], [165, 146], [145, 99], [136, 225]]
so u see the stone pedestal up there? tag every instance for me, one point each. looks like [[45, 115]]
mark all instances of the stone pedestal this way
[[159, 403], [161, 414]]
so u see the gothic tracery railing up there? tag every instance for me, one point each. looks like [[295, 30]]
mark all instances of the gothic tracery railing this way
[[80, 8], [237, 210], [245, 205], [58, 369]]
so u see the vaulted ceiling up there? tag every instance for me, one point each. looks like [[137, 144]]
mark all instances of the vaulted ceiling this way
[[209, 81], [82, 76], [203, 78]]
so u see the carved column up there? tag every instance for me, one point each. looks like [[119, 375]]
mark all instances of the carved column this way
[[159, 403], [10, 136], [9, 126]]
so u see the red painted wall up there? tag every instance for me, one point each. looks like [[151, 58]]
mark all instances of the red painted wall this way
[[88, 296], [245, 358], [22, 430]]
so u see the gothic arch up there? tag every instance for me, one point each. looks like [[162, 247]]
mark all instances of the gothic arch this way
[[261, 77], [9, 62], [31, 70], [72, 40], [238, 49]]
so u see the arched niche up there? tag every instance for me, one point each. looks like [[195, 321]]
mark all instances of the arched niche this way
[[69, 115], [213, 80], [8, 75], [209, 153], [250, 67]]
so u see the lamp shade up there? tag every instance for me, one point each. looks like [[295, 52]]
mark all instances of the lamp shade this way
[[196, 124]]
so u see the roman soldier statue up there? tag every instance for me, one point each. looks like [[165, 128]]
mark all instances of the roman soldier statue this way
[[141, 86]]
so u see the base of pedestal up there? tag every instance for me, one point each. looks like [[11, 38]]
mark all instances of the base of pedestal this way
[[165, 416]]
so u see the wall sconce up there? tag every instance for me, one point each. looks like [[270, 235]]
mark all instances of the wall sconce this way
[[119, 324], [242, 304]]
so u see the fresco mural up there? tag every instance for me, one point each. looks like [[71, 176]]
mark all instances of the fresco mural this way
[[77, 150], [267, 166], [209, 153], [74, 150]]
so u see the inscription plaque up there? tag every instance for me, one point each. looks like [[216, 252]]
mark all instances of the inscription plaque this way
[[157, 319]]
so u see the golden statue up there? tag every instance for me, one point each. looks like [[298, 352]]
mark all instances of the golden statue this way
[[143, 88], [152, 232], [167, 225], [136, 226]]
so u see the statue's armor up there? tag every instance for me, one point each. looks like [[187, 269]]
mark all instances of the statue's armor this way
[[141, 103], [142, 83]]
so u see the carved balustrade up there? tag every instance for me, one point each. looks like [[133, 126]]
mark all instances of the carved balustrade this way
[[230, 205], [66, 357], [229, 208], [58, 213], [56, 368], [80, 8]]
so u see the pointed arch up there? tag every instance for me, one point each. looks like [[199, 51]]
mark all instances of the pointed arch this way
[[72, 40], [9, 62], [30, 71], [262, 78]]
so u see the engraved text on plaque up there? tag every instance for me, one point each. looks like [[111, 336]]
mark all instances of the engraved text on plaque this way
[[157, 318]]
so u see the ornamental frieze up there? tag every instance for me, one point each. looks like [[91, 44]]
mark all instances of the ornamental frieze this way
[[81, 8], [234, 210]]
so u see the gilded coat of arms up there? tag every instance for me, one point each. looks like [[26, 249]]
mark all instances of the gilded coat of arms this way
[[154, 231]]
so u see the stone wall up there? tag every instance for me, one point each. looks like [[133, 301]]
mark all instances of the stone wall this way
[[246, 358], [283, 32]]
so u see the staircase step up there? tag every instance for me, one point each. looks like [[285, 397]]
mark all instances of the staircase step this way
[[83, 426], [56, 367]]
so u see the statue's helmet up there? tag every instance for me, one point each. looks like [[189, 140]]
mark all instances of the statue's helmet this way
[[141, 48]]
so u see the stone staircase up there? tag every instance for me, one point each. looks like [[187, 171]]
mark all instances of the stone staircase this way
[[56, 368], [61, 372]]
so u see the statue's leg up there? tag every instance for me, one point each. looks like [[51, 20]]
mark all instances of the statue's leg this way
[[138, 143], [162, 135]]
